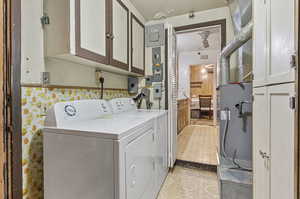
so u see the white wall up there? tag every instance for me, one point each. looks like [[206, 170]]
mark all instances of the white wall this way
[[185, 60], [32, 63], [73, 74], [205, 16], [61, 72]]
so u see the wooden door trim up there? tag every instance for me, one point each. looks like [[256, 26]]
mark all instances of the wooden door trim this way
[[87, 54], [297, 115], [113, 61], [134, 68], [13, 65]]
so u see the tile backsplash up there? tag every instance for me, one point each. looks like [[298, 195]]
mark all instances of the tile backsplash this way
[[35, 103]]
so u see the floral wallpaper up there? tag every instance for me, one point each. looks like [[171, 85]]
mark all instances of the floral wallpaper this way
[[35, 103]]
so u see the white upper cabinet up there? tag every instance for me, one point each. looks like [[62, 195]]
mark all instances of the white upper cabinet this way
[[282, 41], [274, 42], [120, 30], [92, 32], [137, 45], [259, 42]]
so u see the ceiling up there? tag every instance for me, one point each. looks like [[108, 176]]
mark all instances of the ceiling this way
[[193, 41], [149, 8]]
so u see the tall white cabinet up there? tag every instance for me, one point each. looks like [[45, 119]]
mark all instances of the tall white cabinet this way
[[274, 150]]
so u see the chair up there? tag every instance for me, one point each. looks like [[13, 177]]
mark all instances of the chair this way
[[205, 105]]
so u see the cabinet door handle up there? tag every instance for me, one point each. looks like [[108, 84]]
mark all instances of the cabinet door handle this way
[[262, 154]]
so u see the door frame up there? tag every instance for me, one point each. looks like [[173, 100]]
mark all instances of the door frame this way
[[11, 99], [222, 23], [297, 116]]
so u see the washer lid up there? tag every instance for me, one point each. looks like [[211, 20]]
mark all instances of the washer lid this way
[[109, 128]]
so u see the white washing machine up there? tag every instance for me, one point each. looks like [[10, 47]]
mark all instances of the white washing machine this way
[[90, 152]]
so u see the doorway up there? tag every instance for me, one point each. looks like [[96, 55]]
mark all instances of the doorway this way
[[203, 97], [198, 50]]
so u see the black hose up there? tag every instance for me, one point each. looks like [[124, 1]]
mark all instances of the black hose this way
[[102, 87], [225, 133]]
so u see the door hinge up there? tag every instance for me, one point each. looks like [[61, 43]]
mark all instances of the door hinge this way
[[293, 61], [293, 102], [45, 20], [9, 100], [153, 162], [45, 78]]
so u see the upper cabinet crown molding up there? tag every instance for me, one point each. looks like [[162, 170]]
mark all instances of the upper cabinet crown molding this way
[[137, 45], [274, 42], [93, 32]]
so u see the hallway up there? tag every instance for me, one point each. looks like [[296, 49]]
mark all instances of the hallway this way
[[190, 183], [198, 144]]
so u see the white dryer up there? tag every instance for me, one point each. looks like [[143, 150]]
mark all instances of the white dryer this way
[[126, 108], [92, 153]]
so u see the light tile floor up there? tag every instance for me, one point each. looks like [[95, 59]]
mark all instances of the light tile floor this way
[[190, 183], [198, 144]]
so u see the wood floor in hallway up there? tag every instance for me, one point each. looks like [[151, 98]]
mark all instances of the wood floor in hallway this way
[[202, 122], [190, 183], [198, 143]]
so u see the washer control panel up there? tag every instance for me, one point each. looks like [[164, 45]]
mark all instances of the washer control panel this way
[[120, 105], [66, 112]]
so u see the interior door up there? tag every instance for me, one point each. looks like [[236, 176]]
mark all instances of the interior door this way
[[137, 45], [282, 141], [282, 41], [261, 150], [260, 52], [120, 36], [92, 27], [172, 96]]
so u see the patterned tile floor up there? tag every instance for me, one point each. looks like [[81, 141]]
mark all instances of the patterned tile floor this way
[[190, 183]]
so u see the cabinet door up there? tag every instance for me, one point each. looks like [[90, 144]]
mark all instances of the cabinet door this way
[[261, 138], [91, 19], [137, 45], [120, 36], [282, 141], [282, 40], [260, 42]]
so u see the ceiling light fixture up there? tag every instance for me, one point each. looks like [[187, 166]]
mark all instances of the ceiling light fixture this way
[[160, 16]]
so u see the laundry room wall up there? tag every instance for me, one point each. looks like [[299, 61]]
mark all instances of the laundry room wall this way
[[182, 20], [200, 17], [68, 81]]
